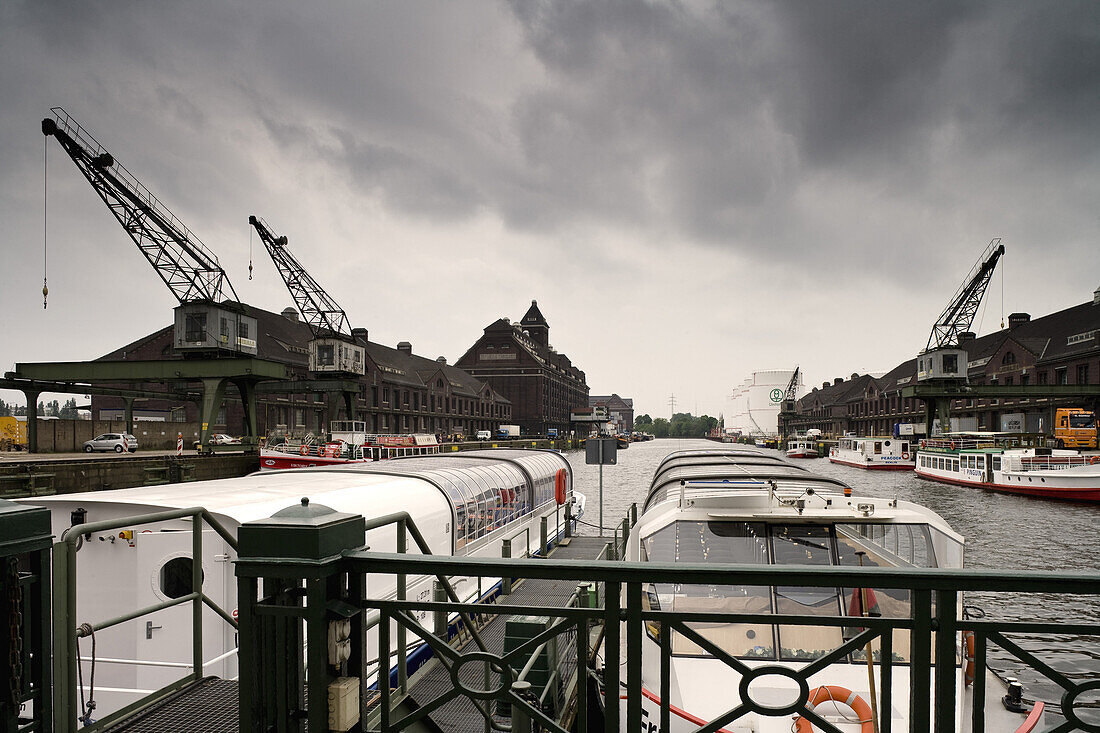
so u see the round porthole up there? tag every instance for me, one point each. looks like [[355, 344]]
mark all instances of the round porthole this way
[[174, 578]]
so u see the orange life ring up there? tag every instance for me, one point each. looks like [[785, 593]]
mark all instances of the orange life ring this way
[[905, 456], [559, 486], [304, 450], [953, 446], [968, 648], [824, 693]]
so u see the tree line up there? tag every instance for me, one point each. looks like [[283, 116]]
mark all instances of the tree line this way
[[682, 425], [66, 411]]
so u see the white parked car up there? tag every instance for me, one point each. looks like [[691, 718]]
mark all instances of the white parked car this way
[[118, 442], [223, 439]]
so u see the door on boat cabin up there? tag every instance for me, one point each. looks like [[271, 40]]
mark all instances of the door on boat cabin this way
[[163, 640]]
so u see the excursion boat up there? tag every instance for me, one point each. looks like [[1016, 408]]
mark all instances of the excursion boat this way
[[802, 447], [1012, 463], [874, 453], [348, 443], [464, 504], [741, 506]]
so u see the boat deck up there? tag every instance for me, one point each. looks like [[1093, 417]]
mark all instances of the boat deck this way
[[210, 705]]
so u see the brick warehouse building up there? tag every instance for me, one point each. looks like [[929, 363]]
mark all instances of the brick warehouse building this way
[[542, 385], [1059, 348], [620, 410], [399, 393]]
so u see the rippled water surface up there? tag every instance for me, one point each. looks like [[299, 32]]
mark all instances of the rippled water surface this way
[[1002, 531]]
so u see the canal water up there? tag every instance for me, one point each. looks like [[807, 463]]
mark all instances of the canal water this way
[[1002, 531]]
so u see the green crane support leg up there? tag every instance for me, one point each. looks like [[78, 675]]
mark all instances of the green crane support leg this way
[[213, 393], [248, 401], [128, 413], [349, 404]]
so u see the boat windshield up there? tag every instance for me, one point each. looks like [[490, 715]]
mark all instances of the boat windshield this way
[[759, 543]]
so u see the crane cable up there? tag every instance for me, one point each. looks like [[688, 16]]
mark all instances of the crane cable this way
[[249, 252], [45, 172]]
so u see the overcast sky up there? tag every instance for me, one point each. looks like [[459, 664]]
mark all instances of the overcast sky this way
[[691, 190]]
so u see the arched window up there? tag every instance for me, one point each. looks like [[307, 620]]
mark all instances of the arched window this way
[[1009, 358]]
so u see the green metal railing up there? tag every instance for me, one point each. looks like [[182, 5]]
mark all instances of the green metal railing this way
[[933, 627], [67, 712]]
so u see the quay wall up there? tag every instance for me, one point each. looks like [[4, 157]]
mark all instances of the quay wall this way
[[46, 476], [43, 477], [68, 436]]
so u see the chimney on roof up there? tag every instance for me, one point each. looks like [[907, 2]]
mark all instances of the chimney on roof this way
[[824, 385], [1017, 319], [405, 347], [291, 314], [855, 375], [441, 359], [1096, 297], [838, 380], [966, 337], [359, 334]]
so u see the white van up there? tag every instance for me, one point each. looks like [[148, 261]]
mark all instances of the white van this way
[[484, 435]]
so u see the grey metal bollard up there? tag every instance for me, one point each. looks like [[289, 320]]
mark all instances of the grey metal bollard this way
[[521, 721], [506, 582], [439, 618]]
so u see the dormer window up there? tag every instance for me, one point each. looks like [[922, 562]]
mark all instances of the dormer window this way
[[1009, 358]]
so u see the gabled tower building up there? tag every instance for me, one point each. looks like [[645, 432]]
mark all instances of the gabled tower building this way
[[517, 360]]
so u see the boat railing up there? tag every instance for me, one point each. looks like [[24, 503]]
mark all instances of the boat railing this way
[[67, 632], [924, 640], [1046, 463]]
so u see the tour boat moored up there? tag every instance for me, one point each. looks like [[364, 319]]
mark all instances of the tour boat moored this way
[[1010, 462], [741, 506], [874, 453], [348, 443], [802, 447]]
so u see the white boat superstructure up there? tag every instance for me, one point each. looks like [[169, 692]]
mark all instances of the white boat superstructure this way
[[463, 504], [742, 506], [876, 453], [802, 446]]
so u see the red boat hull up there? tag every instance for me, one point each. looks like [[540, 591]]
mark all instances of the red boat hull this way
[[1092, 495], [875, 466]]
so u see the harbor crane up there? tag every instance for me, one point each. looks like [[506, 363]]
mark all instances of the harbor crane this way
[[786, 407], [206, 321], [942, 363], [187, 267], [333, 349], [959, 314], [321, 313]]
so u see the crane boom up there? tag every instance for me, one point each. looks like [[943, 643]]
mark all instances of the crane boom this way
[[323, 314], [187, 267], [792, 388], [959, 314]]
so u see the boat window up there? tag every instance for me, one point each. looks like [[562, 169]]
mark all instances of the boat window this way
[[947, 550], [174, 578], [713, 542], [878, 447], [802, 544], [996, 463]]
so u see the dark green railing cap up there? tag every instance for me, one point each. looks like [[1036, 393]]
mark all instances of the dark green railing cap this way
[[305, 532], [23, 527]]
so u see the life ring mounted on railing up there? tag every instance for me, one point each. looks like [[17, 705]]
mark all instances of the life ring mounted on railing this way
[[559, 486], [304, 449], [905, 456], [968, 652], [839, 694]]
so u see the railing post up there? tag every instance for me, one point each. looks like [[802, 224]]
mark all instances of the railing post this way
[[544, 549], [946, 633], [296, 549], [65, 659], [920, 679], [196, 587], [402, 593], [25, 535], [611, 667], [506, 552], [569, 520], [633, 656]]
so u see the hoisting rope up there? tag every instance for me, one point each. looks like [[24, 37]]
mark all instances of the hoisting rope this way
[[89, 706], [250, 252], [45, 172]]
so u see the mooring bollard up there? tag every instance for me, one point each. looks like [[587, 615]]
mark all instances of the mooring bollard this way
[[521, 721]]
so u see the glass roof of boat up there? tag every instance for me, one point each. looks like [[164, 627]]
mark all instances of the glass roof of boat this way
[[738, 476]]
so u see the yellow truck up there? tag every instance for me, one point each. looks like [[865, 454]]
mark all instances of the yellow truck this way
[[13, 433], [1074, 428]]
